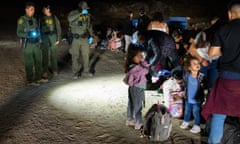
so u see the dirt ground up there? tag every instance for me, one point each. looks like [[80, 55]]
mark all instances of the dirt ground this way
[[65, 111]]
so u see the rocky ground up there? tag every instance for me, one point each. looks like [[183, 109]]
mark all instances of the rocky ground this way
[[65, 111]]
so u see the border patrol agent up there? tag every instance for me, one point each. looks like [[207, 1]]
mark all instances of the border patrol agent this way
[[28, 32], [51, 36], [81, 29]]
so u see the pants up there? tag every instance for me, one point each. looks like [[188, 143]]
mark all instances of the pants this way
[[33, 62], [80, 55], [211, 72], [192, 109], [127, 39], [216, 128], [49, 46], [135, 99]]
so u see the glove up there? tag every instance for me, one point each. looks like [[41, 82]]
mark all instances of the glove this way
[[90, 40]]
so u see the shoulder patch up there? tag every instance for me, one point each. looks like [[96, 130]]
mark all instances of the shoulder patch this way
[[20, 21]]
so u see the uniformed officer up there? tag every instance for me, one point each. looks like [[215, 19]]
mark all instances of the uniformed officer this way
[[51, 35], [81, 29], [28, 32]]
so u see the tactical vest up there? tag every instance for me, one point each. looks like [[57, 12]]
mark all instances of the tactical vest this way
[[31, 27], [48, 25], [80, 25]]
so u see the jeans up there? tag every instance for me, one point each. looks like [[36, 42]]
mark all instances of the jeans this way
[[135, 99], [216, 128], [192, 109], [127, 39], [211, 72]]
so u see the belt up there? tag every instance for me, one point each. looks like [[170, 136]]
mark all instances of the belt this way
[[77, 36], [50, 33], [33, 40]]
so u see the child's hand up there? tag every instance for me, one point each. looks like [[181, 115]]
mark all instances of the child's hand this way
[[204, 62]]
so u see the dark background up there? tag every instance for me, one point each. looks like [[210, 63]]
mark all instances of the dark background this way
[[11, 10]]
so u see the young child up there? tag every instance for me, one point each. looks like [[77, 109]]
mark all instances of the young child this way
[[194, 83], [136, 69]]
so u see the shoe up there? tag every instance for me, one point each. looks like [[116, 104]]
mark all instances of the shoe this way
[[184, 125], [45, 75], [138, 126], [33, 84], [87, 74], [130, 123], [76, 75], [42, 81], [55, 73], [195, 129]]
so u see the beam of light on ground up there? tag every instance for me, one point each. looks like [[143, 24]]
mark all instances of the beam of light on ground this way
[[85, 95]]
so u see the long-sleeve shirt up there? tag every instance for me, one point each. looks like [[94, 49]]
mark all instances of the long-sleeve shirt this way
[[136, 76]]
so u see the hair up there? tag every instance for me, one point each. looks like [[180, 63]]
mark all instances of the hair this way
[[187, 63], [178, 74], [141, 11], [47, 6], [133, 50], [232, 5], [201, 40], [29, 4], [176, 33], [157, 16]]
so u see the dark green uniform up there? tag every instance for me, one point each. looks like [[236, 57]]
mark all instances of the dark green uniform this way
[[81, 29], [50, 33], [27, 30]]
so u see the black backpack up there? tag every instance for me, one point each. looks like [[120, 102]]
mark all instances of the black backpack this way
[[157, 123], [231, 133]]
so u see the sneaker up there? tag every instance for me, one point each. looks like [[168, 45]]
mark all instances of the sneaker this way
[[130, 123], [42, 81], [184, 125], [195, 129], [138, 126], [76, 76], [33, 84]]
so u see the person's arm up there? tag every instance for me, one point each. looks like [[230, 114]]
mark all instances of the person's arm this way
[[90, 28], [21, 32], [73, 15], [194, 52], [58, 28], [214, 51]]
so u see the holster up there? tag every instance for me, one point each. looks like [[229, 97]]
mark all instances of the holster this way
[[24, 42]]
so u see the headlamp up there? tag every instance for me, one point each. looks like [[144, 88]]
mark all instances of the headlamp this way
[[84, 11], [33, 34]]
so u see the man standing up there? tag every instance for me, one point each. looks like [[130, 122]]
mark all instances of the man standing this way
[[143, 21], [28, 32], [128, 30], [81, 29], [224, 97], [51, 36]]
